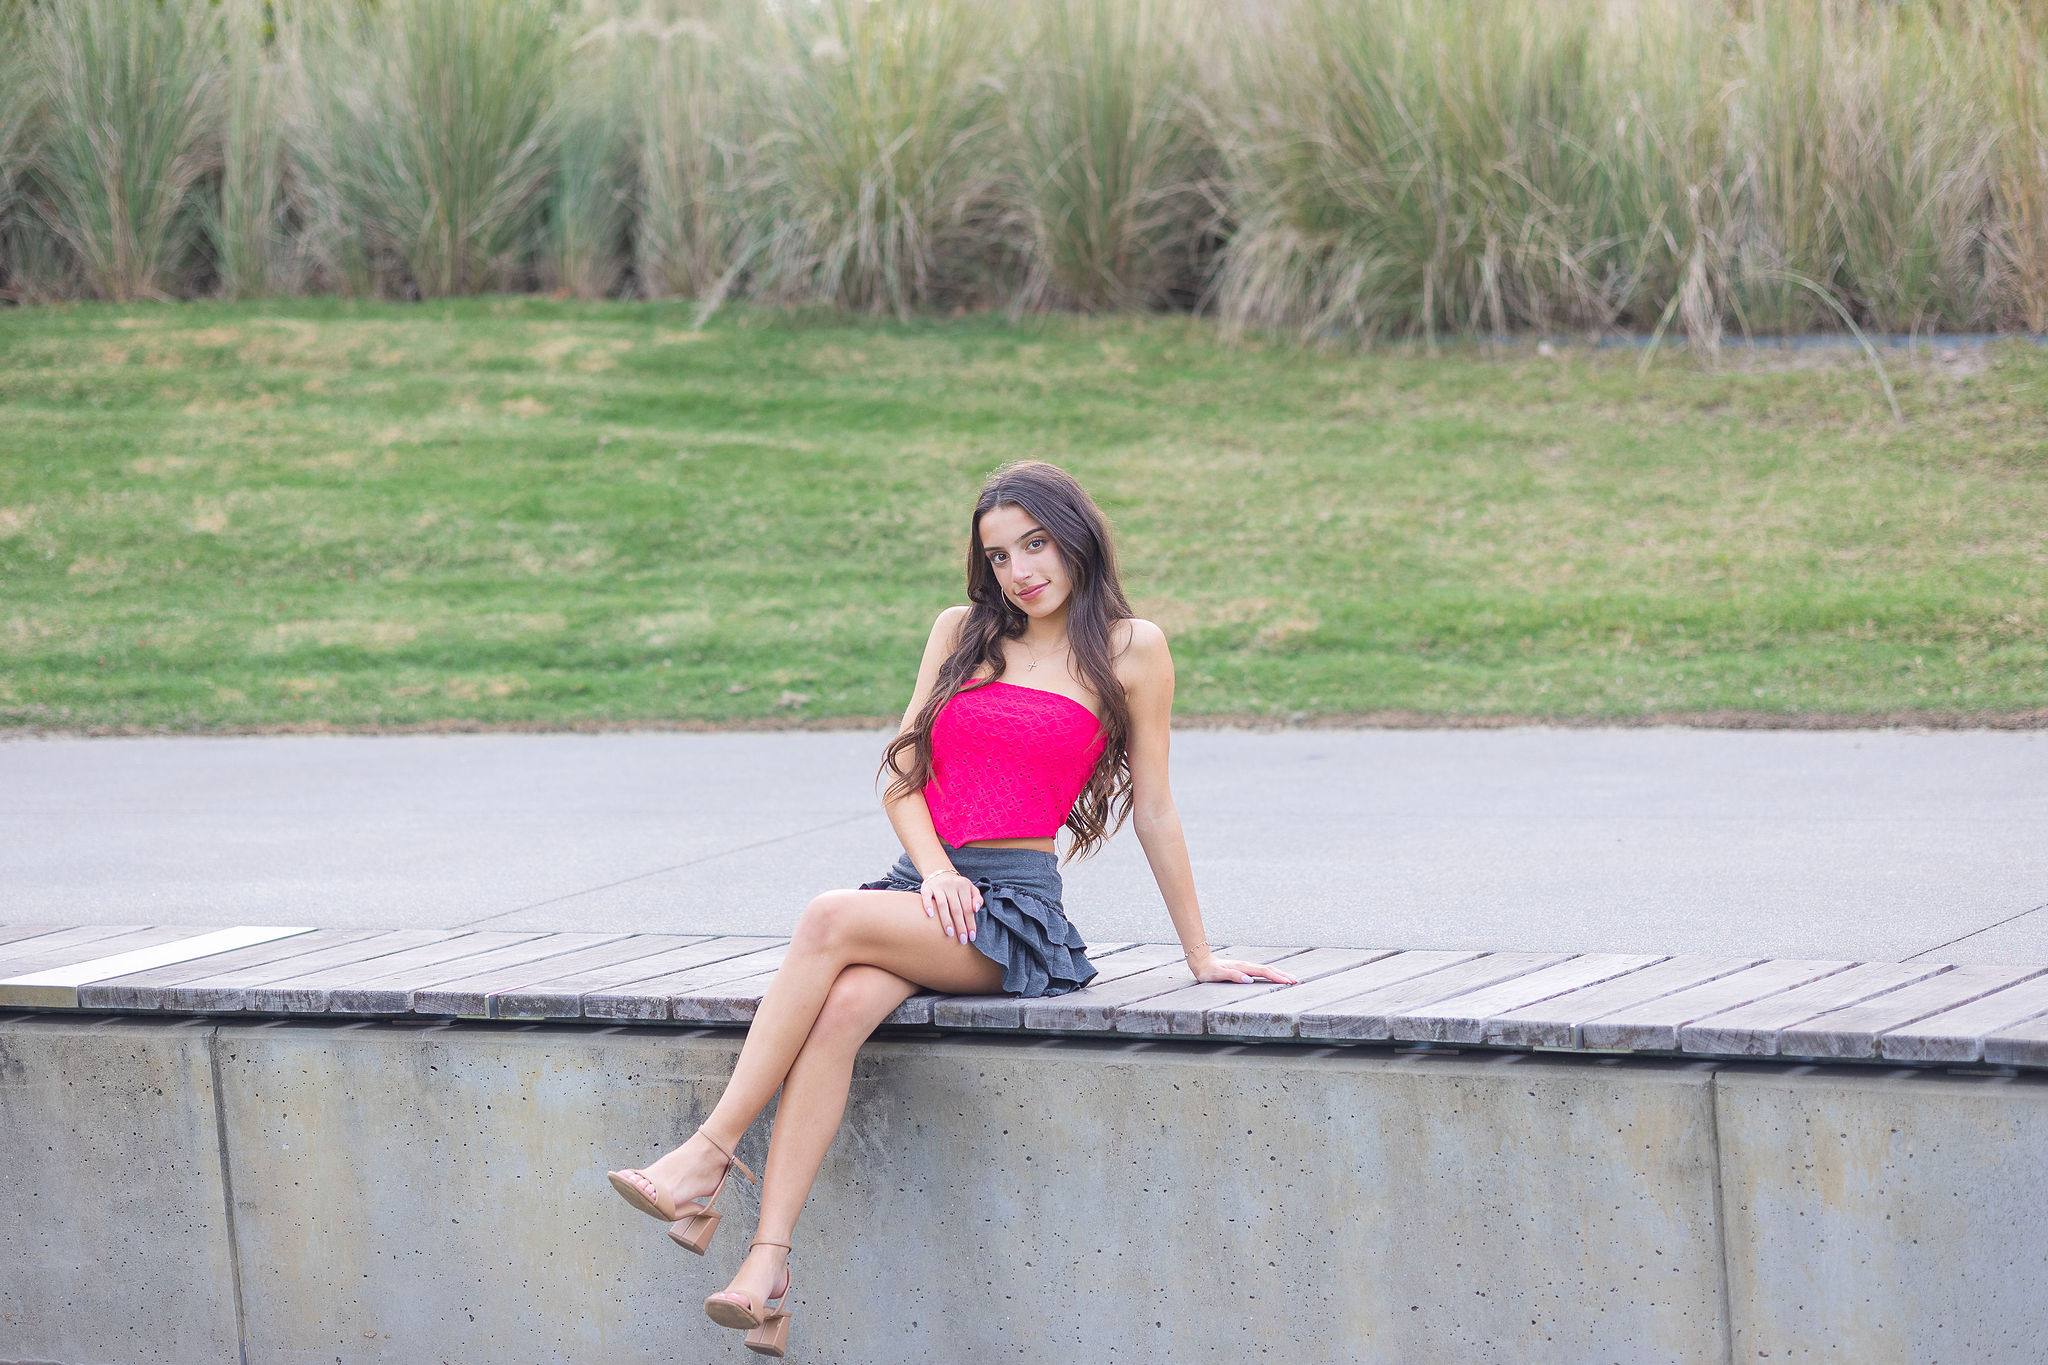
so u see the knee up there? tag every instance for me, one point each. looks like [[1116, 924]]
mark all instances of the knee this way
[[859, 998], [826, 923]]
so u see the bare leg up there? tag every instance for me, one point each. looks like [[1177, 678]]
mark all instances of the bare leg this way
[[886, 929], [807, 1119]]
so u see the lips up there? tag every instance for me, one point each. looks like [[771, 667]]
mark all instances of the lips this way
[[1029, 593]]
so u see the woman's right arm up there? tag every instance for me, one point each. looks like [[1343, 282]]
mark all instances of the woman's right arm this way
[[948, 896]]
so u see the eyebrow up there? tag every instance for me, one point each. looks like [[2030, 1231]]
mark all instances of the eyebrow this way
[[1034, 531]]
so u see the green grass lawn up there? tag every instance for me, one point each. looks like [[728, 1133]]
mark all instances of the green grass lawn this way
[[516, 511]]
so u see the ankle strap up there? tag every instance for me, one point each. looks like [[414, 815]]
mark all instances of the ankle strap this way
[[730, 1158], [764, 1242]]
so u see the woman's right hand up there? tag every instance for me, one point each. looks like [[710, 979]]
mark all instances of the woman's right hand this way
[[953, 900]]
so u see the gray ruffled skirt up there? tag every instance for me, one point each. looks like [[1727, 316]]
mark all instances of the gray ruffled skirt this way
[[1021, 926]]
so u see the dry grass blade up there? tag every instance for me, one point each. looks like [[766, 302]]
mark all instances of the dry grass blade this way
[[882, 166], [424, 140], [125, 97]]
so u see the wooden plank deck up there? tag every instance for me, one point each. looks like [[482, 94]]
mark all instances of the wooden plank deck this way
[[252, 987], [1721, 1006], [1186, 1011], [363, 982], [1279, 1014], [652, 998], [144, 990], [1468, 1018], [1653, 1025], [471, 994], [1753, 1027], [1959, 1034], [1112, 963], [563, 997], [1372, 1015], [1006, 1011], [1094, 1007], [1853, 1030], [2022, 1044], [1556, 1022], [58, 986], [68, 947]]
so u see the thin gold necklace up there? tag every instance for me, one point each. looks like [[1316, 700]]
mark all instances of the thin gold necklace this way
[[1033, 663]]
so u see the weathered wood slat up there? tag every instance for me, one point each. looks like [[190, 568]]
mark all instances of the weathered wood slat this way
[[653, 997], [918, 1008], [1957, 1035], [144, 990], [57, 987], [2023, 1044], [562, 997], [69, 946], [1094, 1007], [229, 991], [1186, 1011], [398, 991], [1853, 1030], [318, 991], [1653, 1025], [1007, 1011], [731, 1001], [1555, 1022], [1371, 1015], [473, 994], [1753, 1029], [15, 933], [1468, 1018], [1278, 1013]]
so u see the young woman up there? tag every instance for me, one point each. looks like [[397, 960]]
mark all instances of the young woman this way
[[1041, 704]]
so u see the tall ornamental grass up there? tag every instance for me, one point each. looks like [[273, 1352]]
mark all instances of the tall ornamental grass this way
[[14, 145], [1113, 165], [587, 203], [1316, 168], [245, 221], [122, 100], [697, 146], [881, 155], [423, 139]]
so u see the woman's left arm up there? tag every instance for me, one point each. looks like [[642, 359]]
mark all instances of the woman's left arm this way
[[1146, 670]]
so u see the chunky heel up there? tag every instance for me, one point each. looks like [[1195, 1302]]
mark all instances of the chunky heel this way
[[691, 1224], [694, 1233], [771, 1338], [692, 1230], [767, 1328]]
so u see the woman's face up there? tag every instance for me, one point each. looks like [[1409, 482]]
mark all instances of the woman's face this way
[[1025, 562]]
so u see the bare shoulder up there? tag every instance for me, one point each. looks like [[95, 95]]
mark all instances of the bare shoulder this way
[[946, 629], [1139, 648]]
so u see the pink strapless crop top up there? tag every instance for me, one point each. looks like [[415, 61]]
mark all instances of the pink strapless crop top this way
[[1008, 761]]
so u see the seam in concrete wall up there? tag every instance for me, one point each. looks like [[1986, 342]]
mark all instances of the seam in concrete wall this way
[[227, 1189], [1720, 1211]]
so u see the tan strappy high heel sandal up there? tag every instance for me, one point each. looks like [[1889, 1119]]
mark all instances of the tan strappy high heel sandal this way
[[767, 1328], [690, 1224]]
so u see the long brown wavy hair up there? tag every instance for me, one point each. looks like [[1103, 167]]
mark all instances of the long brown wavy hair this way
[[1051, 497]]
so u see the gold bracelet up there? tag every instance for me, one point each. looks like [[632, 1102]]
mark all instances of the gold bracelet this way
[[938, 872]]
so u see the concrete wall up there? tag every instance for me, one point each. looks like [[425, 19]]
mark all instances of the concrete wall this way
[[429, 1193]]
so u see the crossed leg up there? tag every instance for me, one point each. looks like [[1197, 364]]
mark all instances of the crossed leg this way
[[853, 957]]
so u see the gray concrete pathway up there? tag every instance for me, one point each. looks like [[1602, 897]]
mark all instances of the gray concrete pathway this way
[[1872, 845]]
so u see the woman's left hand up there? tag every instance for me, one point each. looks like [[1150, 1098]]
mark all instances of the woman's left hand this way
[[1228, 969]]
